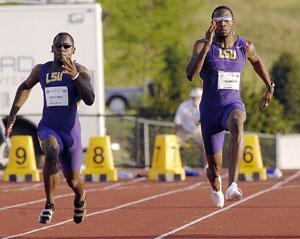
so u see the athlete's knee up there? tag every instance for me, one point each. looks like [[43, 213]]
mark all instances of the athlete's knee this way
[[213, 169], [50, 167], [51, 159], [51, 155], [73, 182], [236, 124]]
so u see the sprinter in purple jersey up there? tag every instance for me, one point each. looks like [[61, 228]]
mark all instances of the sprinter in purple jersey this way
[[64, 84], [219, 59]]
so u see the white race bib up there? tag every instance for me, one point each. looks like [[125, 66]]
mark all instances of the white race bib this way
[[57, 96], [229, 80]]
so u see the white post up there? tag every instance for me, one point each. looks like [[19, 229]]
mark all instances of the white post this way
[[146, 146]]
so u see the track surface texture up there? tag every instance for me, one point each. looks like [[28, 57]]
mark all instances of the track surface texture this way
[[139, 208]]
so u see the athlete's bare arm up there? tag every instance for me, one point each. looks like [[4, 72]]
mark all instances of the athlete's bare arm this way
[[21, 96], [84, 86], [82, 81], [200, 50], [261, 70]]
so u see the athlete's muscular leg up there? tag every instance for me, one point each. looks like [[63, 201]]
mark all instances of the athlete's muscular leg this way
[[75, 183], [214, 169], [235, 125], [50, 170]]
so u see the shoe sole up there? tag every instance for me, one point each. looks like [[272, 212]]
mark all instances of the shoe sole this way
[[79, 219], [235, 198], [45, 222]]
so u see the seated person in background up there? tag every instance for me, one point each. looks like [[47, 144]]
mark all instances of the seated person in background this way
[[187, 120]]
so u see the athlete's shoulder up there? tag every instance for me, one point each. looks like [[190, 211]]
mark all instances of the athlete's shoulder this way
[[37, 69], [243, 41], [47, 63], [240, 38], [84, 72], [44, 65], [34, 76], [249, 46], [81, 68], [240, 42]]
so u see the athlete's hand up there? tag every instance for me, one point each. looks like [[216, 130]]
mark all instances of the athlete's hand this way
[[267, 97], [211, 31], [69, 67], [9, 126]]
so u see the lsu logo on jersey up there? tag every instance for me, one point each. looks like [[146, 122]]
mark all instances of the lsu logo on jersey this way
[[53, 76], [227, 54]]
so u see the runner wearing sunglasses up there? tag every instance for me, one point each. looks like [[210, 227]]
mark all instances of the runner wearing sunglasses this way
[[64, 84]]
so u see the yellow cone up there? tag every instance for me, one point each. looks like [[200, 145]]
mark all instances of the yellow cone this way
[[166, 161], [22, 165], [252, 166], [99, 161]]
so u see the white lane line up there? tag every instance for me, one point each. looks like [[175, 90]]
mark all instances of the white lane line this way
[[7, 186], [275, 186], [72, 194], [190, 187], [12, 185], [35, 186]]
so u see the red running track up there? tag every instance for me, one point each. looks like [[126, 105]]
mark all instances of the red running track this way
[[139, 208]]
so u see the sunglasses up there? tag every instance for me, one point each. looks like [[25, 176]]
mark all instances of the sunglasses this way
[[224, 18], [65, 46]]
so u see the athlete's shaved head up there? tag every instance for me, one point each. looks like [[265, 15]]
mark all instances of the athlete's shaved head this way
[[221, 8], [61, 34]]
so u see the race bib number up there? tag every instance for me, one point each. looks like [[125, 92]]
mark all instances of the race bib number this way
[[57, 96], [229, 80]]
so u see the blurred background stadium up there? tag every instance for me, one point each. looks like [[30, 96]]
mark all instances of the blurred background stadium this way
[[152, 40]]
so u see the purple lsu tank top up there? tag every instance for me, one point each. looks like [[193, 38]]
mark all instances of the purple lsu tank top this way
[[220, 73], [60, 99]]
